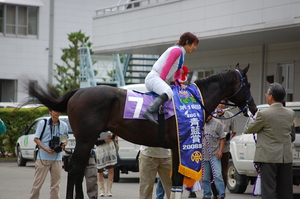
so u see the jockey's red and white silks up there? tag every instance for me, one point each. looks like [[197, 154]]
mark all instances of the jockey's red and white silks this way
[[163, 69]]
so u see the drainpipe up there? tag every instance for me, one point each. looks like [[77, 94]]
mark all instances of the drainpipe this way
[[262, 76], [51, 40]]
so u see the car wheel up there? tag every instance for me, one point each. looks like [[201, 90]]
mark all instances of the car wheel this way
[[116, 174], [20, 160], [236, 183]]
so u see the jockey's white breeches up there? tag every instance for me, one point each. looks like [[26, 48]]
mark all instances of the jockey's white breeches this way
[[154, 83]]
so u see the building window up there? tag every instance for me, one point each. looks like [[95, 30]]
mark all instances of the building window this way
[[203, 73], [8, 90], [32, 20], [285, 76], [1, 17], [18, 20]]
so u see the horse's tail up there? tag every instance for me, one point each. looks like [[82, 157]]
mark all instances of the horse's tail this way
[[51, 99]]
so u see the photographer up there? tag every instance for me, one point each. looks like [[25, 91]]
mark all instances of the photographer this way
[[49, 157]]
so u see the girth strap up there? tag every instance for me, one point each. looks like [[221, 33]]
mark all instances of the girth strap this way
[[161, 127]]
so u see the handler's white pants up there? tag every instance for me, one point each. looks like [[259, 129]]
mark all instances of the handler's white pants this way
[[154, 83]]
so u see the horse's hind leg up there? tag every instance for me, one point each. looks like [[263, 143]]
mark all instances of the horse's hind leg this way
[[75, 178], [76, 169], [70, 184], [78, 188], [177, 178]]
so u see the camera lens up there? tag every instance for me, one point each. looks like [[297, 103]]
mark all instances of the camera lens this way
[[57, 149]]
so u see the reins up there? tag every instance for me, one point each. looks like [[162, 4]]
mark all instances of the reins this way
[[243, 108]]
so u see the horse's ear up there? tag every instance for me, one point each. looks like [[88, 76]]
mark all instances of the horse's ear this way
[[237, 66], [245, 70]]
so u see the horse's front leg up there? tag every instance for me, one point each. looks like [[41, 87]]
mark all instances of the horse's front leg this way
[[177, 178]]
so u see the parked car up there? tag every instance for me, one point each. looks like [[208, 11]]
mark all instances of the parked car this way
[[242, 148], [25, 145]]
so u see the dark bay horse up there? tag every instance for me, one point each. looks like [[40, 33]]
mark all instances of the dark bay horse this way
[[97, 109]]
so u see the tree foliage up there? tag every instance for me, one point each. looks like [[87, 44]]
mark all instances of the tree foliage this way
[[67, 74]]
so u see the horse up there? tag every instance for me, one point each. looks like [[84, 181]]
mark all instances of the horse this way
[[93, 110]]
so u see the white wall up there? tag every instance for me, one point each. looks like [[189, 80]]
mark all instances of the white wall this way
[[27, 58], [274, 54], [205, 18]]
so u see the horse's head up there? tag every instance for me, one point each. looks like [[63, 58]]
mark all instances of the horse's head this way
[[241, 93]]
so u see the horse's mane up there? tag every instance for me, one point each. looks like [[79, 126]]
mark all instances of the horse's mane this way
[[223, 78]]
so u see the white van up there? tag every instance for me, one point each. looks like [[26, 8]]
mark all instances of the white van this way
[[242, 148]]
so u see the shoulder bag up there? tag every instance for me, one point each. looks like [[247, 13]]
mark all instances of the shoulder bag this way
[[36, 150]]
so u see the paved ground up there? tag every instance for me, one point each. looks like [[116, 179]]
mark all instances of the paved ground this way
[[16, 182]]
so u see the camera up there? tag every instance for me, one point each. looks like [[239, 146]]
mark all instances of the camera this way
[[55, 144]]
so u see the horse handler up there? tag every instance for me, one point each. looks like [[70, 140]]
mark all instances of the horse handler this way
[[153, 160]]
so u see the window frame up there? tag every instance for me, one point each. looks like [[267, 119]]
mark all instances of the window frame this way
[[16, 26], [206, 72]]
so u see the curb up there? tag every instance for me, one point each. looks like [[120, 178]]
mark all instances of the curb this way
[[8, 160]]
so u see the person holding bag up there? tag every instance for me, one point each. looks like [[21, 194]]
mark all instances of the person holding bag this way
[[106, 156]]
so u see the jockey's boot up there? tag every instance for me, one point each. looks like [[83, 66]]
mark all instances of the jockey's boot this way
[[153, 108]]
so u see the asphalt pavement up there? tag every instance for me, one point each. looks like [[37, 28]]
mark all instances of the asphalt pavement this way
[[16, 182]]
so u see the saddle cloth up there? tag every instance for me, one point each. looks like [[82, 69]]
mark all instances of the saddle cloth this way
[[189, 116]]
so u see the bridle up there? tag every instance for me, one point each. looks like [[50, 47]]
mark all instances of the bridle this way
[[242, 108], [246, 91]]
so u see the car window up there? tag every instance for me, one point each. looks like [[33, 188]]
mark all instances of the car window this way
[[66, 120], [32, 128]]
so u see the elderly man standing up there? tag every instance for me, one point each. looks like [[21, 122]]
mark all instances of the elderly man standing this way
[[274, 147]]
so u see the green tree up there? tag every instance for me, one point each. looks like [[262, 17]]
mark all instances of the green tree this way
[[67, 75]]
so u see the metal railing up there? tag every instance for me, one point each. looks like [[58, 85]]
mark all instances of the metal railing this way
[[109, 69], [87, 77], [100, 69], [130, 5]]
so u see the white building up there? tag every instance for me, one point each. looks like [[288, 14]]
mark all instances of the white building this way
[[264, 33], [32, 34]]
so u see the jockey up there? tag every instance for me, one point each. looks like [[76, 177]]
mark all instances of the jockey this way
[[169, 64]]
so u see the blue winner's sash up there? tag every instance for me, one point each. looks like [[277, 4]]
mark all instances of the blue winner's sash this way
[[190, 121]]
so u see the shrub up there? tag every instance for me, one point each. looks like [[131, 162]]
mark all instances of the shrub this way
[[16, 121]]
